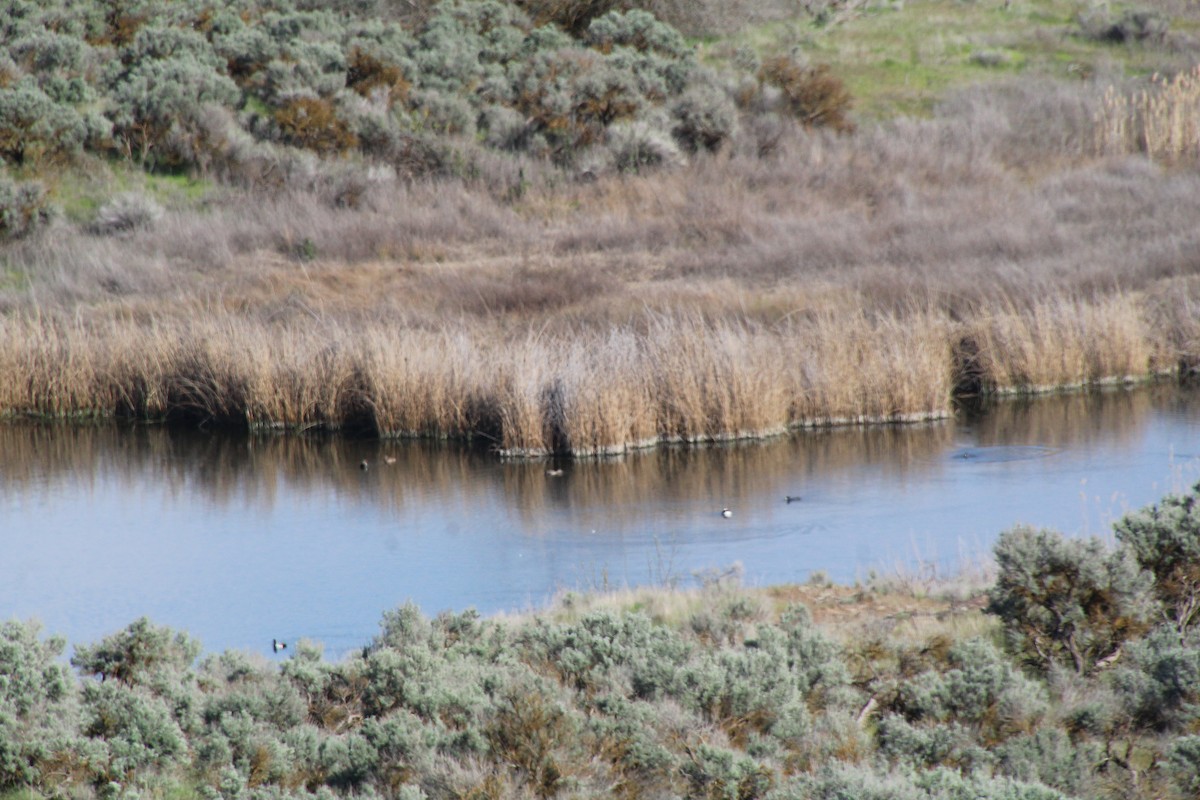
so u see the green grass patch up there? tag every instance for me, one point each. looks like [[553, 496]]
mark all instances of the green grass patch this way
[[80, 192], [903, 59]]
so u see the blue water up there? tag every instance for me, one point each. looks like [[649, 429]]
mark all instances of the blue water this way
[[239, 540]]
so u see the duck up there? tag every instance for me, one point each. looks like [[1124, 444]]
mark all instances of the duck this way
[[726, 513], [792, 498], [363, 465], [554, 473], [277, 645], [389, 460]]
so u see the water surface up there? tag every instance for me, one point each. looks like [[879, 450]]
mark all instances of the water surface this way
[[239, 540]]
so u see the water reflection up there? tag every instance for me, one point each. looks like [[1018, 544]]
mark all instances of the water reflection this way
[[241, 539]]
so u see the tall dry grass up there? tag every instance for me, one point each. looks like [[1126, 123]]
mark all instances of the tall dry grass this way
[[1067, 342], [835, 279], [585, 392], [1162, 121]]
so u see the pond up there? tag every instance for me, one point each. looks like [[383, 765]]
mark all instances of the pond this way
[[242, 539]]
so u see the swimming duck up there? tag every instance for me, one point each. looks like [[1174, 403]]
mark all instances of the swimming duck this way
[[277, 645], [726, 513], [363, 465]]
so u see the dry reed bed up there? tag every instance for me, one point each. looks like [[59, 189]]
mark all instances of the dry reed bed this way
[[839, 279], [584, 392], [1162, 121]]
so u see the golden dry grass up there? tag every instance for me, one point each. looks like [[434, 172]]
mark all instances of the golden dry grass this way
[[838, 280], [584, 392], [1162, 121]]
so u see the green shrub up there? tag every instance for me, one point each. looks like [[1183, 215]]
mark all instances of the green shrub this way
[[528, 731], [24, 207], [465, 46], [1133, 25], [638, 146], [606, 650], [247, 51], [842, 782], [1165, 539], [651, 52], [34, 129], [1068, 601], [48, 53], [703, 118], [1183, 765], [625, 732], [138, 654], [136, 726], [573, 16], [980, 689], [233, 685], [164, 77], [405, 747], [126, 212], [347, 760], [639, 30], [914, 746], [38, 703], [715, 773], [1159, 680], [442, 113], [1050, 757]]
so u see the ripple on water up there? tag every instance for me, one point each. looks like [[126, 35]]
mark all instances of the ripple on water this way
[[1002, 454]]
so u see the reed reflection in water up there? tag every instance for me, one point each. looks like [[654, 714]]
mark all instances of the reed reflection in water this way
[[243, 539]]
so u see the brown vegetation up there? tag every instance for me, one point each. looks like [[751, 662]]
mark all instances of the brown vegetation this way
[[842, 279]]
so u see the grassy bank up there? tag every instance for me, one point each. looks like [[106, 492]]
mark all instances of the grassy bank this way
[[1067, 670], [1028, 226]]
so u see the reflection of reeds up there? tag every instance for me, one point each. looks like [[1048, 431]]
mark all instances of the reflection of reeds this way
[[255, 471]]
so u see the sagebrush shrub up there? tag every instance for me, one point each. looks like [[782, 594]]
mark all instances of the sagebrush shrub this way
[[38, 704], [24, 207], [921, 746], [1068, 600], [1183, 765], [137, 655], [716, 773], [126, 212], [34, 129], [979, 689], [137, 726], [528, 730], [1165, 539], [638, 146], [573, 16], [1159, 680], [159, 88], [1049, 756], [840, 781], [1133, 25], [703, 118]]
